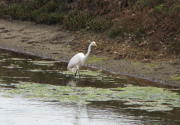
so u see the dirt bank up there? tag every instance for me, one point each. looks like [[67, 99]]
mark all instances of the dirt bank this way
[[56, 43]]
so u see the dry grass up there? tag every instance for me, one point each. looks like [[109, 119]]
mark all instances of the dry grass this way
[[126, 28]]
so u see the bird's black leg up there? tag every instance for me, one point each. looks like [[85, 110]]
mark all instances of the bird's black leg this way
[[76, 72], [79, 74]]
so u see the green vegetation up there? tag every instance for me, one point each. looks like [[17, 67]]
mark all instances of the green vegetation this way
[[155, 22], [144, 98], [95, 59], [84, 72], [99, 24], [176, 77], [115, 32], [76, 21]]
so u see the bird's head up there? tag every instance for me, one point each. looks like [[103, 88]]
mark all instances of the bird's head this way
[[93, 43]]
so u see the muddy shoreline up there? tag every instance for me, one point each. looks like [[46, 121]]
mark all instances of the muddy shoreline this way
[[55, 43]]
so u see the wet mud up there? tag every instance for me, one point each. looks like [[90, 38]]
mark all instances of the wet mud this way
[[55, 43]]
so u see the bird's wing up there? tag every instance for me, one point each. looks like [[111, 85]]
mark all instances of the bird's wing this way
[[76, 60]]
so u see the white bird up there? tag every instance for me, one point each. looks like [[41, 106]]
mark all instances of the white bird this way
[[78, 60]]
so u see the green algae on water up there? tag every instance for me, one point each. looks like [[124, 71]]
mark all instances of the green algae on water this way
[[12, 67], [18, 59], [43, 63], [83, 72], [134, 97], [150, 98]]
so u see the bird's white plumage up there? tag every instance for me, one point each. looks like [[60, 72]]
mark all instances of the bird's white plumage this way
[[78, 60]]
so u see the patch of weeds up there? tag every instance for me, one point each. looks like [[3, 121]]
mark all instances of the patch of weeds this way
[[158, 8], [39, 11], [49, 7], [46, 14], [161, 9], [127, 3], [39, 3], [95, 59], [115, 32], [174, 47], [76, 21], [150, 66], [136, 63], [141, 4], [20, 11], [174, 8], [2, 10], [100, 3], [175, 77], [145, 3], [148, 3], [99, 24], [40, 16], [54, 18], [139, 35]]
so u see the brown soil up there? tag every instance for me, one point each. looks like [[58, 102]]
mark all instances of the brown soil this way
[[55, 43]]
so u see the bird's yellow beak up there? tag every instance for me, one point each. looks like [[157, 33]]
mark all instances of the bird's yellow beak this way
[[95, 44]]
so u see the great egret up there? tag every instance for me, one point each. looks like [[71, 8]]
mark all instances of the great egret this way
[[78, 60]]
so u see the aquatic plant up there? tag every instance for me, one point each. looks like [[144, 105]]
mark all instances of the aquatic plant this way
[[135, 97]]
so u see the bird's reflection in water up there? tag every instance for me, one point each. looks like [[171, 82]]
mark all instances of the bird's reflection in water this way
[[72, 83]]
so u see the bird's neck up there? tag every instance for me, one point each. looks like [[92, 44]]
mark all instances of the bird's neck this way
[[88, 52]]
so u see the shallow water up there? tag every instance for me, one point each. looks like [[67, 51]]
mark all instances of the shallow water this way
[[20, 111], [41, 91]]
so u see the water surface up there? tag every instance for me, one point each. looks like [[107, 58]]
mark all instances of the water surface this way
[[41, 91]]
